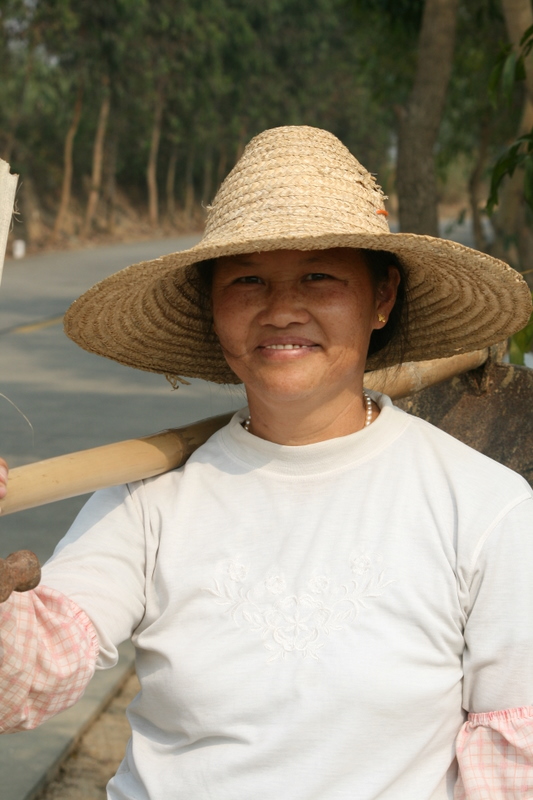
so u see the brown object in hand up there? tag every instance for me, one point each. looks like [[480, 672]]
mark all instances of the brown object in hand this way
[[19, 572]]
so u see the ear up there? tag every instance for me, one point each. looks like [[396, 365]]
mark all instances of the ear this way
[[386, 297]]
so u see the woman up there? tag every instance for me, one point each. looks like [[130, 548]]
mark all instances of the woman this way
[[329, 587]]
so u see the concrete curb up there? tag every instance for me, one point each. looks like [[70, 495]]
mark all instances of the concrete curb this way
[[30, 759]]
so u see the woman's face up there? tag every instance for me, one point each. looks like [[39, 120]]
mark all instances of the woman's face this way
[[295, 324]]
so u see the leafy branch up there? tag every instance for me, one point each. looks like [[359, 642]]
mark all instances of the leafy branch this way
[[510, 69], [519, 154]]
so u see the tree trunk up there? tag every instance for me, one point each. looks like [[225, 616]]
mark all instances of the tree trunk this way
[[208, 177], [241, 142], [420, 120], [171, 180], [222, 165], [16, 117], [474, 184], [31, 212], [151, 170], [513, 233], [98, 159], [189, 183], [111, 182], [67, 167]]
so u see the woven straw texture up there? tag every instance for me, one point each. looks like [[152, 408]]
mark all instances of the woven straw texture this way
[[296, 188]]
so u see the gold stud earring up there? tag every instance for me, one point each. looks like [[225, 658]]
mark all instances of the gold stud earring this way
[[381, 318]]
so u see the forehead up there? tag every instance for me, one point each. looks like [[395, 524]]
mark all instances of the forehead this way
[[339, 256]]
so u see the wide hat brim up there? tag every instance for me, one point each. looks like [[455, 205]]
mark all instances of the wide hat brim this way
[[150, 316]]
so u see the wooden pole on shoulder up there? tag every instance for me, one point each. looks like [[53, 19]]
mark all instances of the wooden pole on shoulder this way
[[136, 459], [109, 465]]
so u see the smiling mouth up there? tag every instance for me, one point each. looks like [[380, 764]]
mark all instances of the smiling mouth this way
[[288, 346]]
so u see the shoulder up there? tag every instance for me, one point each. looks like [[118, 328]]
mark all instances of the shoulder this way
[[206, 459], [462, 466]]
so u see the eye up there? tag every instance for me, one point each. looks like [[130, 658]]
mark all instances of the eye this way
[[247, 279], [318, 276]]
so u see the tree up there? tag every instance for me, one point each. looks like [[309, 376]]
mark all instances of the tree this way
[[420, 119], [186, 84], [67, 166], [512, 220]]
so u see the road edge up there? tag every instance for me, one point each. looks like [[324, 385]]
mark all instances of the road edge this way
[[31, 759]]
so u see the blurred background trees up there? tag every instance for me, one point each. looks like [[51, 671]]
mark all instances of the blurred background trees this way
[[123, 117]]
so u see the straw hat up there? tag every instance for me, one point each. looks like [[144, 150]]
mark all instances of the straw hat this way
[[296, 188]]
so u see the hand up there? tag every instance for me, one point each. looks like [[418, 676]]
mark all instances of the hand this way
[[19, 572], [3, 478]]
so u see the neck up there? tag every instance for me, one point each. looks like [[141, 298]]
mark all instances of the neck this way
[[296, 423]]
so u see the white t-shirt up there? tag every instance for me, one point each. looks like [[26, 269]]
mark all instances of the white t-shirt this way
[[311, 622]]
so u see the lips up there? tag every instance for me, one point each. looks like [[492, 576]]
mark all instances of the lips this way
[[286, 346], [286, 343], [286, 349]]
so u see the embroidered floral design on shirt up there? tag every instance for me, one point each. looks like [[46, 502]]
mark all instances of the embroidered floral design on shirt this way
[[298, 622]]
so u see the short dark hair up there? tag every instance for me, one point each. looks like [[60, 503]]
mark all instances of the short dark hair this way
[[392, 336]]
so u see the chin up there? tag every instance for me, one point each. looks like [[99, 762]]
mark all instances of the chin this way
[[283, 391]]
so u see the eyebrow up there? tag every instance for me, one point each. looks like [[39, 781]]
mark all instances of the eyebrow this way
[[323, 260], [241, 260]]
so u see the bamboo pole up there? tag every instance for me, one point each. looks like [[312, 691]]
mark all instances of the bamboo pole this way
[[135, 459], [110, 465], [414, 376]]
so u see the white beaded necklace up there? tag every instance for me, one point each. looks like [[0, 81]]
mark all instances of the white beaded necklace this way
[[368, 413]]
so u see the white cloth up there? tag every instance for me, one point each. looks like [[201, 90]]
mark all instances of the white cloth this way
[[304, 616]]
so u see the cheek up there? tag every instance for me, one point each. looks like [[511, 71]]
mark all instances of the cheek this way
[[221, 312], [230, 324], [351, 321]]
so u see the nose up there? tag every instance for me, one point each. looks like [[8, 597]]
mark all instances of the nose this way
[[284, 305]]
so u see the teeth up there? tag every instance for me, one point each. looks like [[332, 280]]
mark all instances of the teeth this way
[[285, 346]]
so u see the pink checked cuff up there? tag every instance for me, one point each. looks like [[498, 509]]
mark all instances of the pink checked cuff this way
[[495, 755], [48, 650]]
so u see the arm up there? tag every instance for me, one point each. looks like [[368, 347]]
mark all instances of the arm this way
[[495, 745], [91, 599], [101, 565], [48, 650]]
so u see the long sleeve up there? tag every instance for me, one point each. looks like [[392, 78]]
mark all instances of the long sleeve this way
[[498, 634], [48, 651], [91, 598], [495, 756], [495, 745], [101, 565]]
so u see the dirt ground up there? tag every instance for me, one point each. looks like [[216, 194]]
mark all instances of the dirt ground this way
[[95, 760]]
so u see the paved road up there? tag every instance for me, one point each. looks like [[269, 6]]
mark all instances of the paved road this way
[[74, 399]]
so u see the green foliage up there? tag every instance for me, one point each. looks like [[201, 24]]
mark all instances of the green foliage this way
[[509, 71], [519, 154], [222, 70], [510, 68], [470, 117]]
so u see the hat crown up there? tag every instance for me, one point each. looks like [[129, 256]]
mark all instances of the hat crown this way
[[296, 188], [294, 181]]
